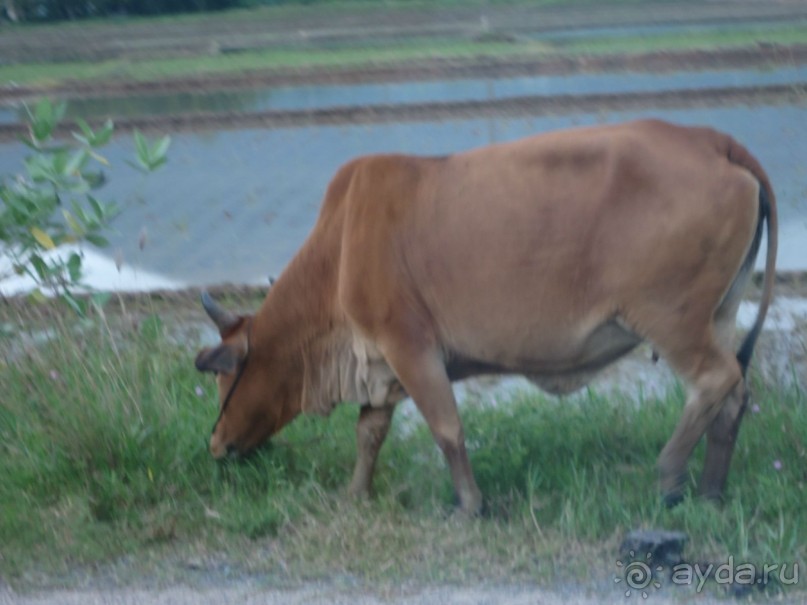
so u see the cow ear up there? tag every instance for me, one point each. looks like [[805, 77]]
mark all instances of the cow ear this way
[[221, 359]]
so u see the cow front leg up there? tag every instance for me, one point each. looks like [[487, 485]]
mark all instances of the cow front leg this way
[[423, 374], [371, 430]]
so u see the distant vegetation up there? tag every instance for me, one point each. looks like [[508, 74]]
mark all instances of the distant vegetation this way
[[58, 10]]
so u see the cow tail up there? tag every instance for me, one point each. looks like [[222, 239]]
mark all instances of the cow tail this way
[[739, 155]]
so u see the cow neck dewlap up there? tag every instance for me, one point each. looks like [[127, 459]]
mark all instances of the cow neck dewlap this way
[[342, 367], [299, 317]]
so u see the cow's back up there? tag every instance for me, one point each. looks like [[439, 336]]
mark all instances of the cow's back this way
[[520, 250]]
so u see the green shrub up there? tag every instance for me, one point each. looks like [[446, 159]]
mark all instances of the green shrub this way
[[52, 203]]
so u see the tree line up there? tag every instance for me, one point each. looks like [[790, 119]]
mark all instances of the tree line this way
[[56, 10]]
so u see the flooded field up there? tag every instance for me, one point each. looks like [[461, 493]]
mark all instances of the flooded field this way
[[234, 206], [310, 97]]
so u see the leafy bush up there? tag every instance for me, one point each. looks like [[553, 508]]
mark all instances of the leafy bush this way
[[52, 204]]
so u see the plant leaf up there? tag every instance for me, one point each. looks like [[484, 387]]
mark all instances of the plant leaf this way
[[97, 240], [37, 296], [75, 163], [85, 128], [40, 266], [99, 158], [74, 267], [43, 112], [97, 208], [73, 223], [156, 163], [159, 149], [102, 136], [141, 147], [42, 238], [74, 304]]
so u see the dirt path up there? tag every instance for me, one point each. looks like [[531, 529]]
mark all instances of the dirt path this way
[[318, 594]]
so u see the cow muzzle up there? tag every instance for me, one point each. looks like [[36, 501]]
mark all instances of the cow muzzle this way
[[221, 450]]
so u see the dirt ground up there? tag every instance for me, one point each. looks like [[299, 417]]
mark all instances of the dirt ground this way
[[323, 595]]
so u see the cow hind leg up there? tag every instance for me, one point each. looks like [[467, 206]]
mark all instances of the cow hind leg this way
[[715, 390], [371, 431], [722, 432], [720, 439]]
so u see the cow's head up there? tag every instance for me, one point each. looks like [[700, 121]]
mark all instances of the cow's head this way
[[258, 391]]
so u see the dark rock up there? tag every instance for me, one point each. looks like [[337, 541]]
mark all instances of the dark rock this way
[[662, 546]]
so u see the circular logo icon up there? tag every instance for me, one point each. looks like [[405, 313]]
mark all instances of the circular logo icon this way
[[638, 575]]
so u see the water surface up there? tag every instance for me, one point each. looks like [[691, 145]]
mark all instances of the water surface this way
[[406, 93], [234, 206]]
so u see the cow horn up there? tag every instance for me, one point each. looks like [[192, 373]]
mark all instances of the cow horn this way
[[223, 319]]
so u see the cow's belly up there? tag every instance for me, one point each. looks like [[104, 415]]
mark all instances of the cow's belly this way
[[556, 369]]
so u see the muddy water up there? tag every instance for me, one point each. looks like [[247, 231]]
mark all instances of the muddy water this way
[[321, 96], [234, 206]]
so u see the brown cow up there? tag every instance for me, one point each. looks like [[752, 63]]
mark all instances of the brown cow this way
[[551, 257]]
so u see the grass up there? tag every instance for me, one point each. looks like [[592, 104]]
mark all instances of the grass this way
[[707, 39], [159, 69], [103, 456], [49, 74]]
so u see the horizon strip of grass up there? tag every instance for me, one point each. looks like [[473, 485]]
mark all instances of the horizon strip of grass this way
[[52, 74]]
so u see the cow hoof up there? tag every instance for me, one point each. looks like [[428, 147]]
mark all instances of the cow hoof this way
[[358, 493], [713, 496], [461, 514], [477, 510], [673, 486], [673, 499]]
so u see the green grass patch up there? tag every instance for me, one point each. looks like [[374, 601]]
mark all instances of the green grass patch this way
[[50, 74], [696, 38], [103, 455], [157, 69]]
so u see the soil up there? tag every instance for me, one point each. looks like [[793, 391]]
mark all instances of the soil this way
[[318, 594]]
